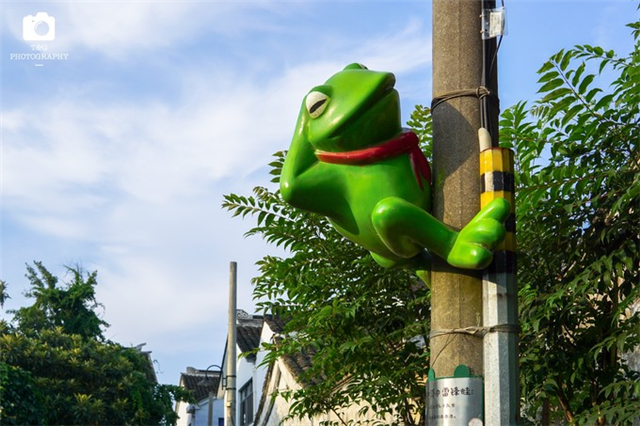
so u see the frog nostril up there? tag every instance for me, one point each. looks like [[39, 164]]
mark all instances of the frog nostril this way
[[316, 103]]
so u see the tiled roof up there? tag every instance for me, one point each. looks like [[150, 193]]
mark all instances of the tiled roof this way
[[275, 323], [248, 330], [299, 363], [190, 382], [248, 337]]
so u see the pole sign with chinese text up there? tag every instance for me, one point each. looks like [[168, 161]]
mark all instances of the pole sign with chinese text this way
[[453, 401]]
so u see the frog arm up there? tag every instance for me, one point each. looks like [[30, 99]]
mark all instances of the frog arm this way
[[405, 228], [309, 184]]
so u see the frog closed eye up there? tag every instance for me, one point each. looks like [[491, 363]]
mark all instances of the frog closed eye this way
[[316, 103]]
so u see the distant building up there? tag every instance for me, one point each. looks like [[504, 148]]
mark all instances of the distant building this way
[[249, 375], [150, 371], [204, 385], [256, 383], [284, 375]]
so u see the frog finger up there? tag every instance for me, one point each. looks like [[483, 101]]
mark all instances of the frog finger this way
[[469, 256], [497, 209], [486, 232]]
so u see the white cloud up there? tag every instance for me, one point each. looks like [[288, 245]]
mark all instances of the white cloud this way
[[401, 52], [145, 296], [13, 121], [119, 30], [163, 268], [58, 226]]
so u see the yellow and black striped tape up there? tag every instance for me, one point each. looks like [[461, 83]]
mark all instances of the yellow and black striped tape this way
[[497, 181]]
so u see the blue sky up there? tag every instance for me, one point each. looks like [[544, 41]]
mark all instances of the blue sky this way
[[117, 156]]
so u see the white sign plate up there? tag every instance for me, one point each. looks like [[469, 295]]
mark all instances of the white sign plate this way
[[455, 401]]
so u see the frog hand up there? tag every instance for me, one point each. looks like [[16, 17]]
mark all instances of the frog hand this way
[[474, 245]]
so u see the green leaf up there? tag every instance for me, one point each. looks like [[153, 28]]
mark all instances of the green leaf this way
[[570, 113], [554, 95], [578, 73], [548, 76], [550, 85], [585, 83], [589, 96], [604, 102], [546, 67], [561, 105], [565, 60]]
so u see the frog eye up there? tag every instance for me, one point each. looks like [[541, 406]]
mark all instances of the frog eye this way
[[355, 66], [316, 103]]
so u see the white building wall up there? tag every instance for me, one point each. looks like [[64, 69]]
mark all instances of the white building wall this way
[[281, 379], [246, 370], [260, 373], [181, 411], [200, 417], [244, 373]]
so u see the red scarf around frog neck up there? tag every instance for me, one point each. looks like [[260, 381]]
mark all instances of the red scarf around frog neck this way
[[405, 143]]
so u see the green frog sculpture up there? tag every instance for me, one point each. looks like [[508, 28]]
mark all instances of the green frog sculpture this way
[[351, 161]]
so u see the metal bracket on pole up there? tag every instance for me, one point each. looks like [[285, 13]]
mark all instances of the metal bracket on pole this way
[[493, 23], [500, 311]]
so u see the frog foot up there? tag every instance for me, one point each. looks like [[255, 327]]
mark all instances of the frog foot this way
[[474, 245]]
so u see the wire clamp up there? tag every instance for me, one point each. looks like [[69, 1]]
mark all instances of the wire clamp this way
[[478, 331], [493, 23], [479, 92]]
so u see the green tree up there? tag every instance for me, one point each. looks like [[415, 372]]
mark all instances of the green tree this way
[[58, 369], [578, 213], [72, 307], [3, 293], [20, 399], [364, 326]]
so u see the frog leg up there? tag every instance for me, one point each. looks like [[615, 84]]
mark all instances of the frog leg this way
[[406, 228]]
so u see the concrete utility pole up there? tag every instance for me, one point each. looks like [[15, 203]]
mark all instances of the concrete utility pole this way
[[230, 408], [456, 297]]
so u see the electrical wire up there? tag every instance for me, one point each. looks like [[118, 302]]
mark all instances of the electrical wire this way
[[489, 58]]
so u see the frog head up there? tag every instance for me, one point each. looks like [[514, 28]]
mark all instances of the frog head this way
[[355, 109]]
